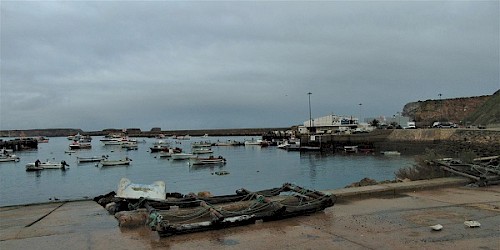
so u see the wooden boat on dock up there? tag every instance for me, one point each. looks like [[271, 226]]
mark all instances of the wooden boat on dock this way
[[250, 208], [179, 214]]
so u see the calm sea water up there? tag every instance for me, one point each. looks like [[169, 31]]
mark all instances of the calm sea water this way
[[251, 167]]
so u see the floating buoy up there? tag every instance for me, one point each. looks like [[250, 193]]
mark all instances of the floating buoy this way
[[472, 223], [221, 173], [437, 227]]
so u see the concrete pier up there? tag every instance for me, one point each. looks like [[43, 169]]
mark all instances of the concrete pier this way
[[388, 216]]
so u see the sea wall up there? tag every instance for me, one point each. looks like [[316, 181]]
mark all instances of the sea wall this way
[[475, 136], [448, 142]]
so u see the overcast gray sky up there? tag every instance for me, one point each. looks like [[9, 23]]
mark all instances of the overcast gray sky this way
[[188, 65]]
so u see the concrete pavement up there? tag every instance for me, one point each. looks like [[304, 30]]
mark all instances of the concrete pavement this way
[[389, 216]]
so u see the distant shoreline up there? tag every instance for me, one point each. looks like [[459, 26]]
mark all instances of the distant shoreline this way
[[134, 132]]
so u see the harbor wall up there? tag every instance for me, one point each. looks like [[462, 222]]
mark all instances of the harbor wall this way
[[450, 142]]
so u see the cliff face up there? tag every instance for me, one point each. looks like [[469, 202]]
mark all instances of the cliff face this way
[[463, 111]]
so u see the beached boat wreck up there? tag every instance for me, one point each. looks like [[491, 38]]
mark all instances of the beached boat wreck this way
[[193, 213]]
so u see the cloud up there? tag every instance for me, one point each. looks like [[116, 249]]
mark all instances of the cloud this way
[[190, 65]]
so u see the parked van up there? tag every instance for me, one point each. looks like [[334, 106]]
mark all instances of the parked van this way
[[411, 125]]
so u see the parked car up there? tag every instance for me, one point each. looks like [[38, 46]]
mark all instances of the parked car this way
[[444, 125]]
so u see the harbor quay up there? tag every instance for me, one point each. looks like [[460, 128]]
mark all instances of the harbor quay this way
[[383, 216]]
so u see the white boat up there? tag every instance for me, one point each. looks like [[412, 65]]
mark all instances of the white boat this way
[[258, 142], [182, 156], [42, 139], [390, 152], [228, 143], [201, 144], [350, 149], [107, 162], [289, 143], [185, 137], [159, 148], [129, 190], [7, 158], [202, 151], [90, 159], [115, 141], [74, 137], [80, 145], [207, 161], [32, 166], [130, 146], [253, 142]]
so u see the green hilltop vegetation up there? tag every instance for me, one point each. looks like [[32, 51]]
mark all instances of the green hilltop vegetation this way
[[488, 113]]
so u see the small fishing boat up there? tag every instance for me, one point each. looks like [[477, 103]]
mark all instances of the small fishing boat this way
[[350, 149], [7, 158], [90, 159], [169, 151], [182, 156], [208, 160], [202, 151], [229, 143], [32, 166], [80, 145], [42, 139], [201, 144], [107, 162], [390, 153], [130, 146]]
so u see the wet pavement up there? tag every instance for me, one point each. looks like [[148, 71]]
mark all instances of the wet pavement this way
[[397, 220]]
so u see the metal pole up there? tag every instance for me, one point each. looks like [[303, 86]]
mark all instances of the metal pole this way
[[440, 108], [310, 116], [359, 120]]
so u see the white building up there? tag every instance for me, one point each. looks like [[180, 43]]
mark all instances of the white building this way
[[329, 124]]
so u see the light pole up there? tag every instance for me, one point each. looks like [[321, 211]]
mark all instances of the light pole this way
[[359, 121], [310, 116], [440, 108]]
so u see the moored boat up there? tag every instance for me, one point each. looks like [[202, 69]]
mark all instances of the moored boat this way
[[201, 144], [202, 151], [90, 159], [107, 162], [7, 158], [208, 160], [34, 166], [395, 153], [130, 146], [182, 156], [229, 143], [80, 145]]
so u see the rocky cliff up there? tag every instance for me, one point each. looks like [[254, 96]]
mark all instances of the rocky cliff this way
[[464, 111]]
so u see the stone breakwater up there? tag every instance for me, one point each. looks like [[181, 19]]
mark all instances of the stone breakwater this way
[[448, 142], [475, 136]]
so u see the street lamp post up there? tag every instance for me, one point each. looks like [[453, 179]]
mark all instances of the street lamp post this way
[[310, 116], [440, 108], [359, 121]]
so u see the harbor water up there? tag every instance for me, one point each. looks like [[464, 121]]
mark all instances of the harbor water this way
[[250, 167]]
